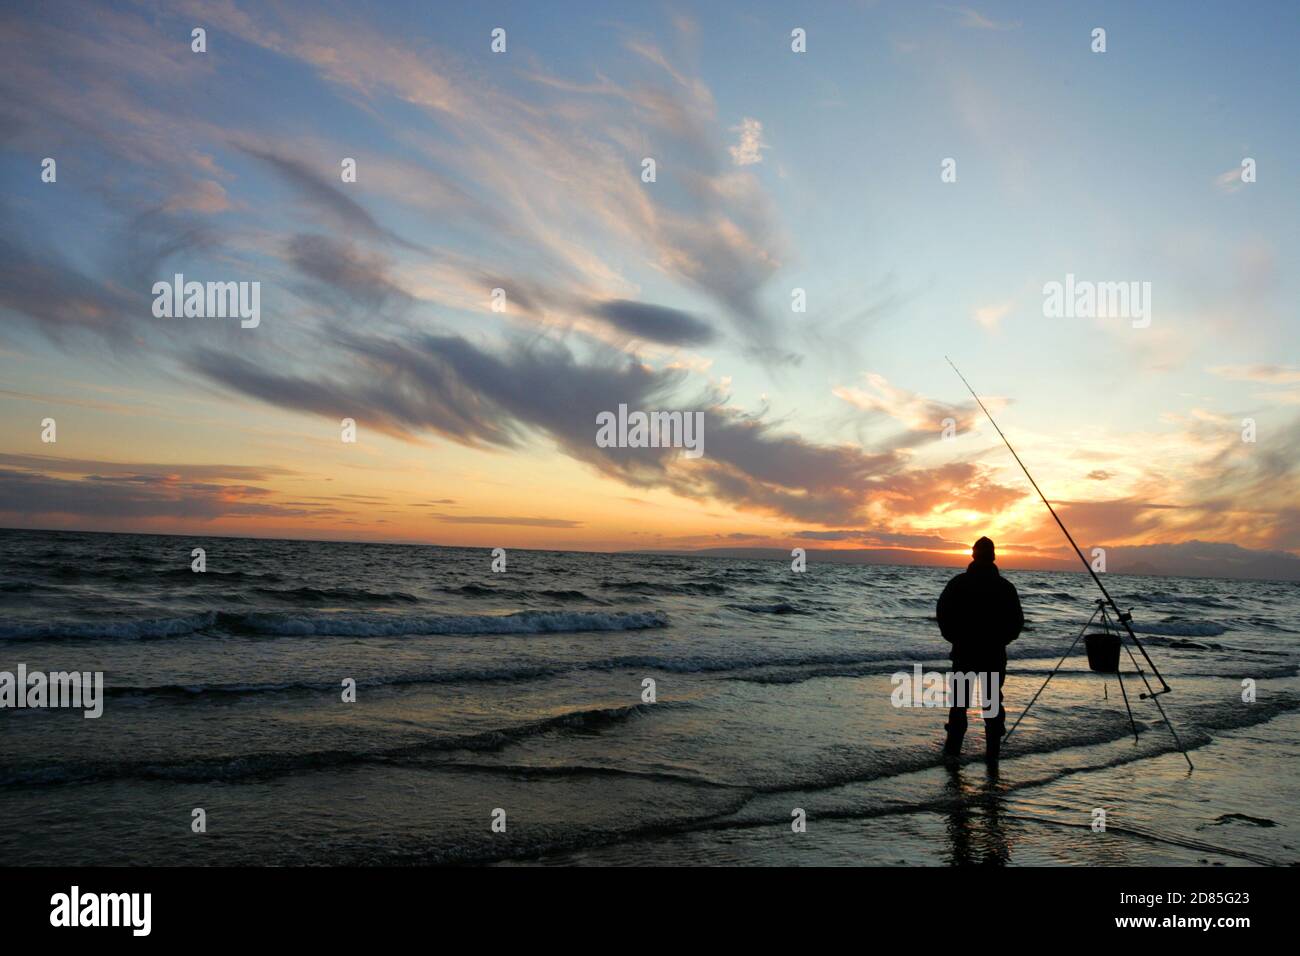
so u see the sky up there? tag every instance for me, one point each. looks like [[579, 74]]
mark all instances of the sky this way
[[916, 176]]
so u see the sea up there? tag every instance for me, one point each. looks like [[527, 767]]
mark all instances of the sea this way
[[327, 703]]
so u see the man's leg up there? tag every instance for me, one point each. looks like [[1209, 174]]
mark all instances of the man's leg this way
[[996, 726], [956, 725]]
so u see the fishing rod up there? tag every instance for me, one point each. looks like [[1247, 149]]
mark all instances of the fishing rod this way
[[1124, 617]]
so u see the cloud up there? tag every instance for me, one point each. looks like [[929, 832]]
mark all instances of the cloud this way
[[655, 322], [1230, 181], [991, 316], [343, 211], [1269, 374], [1100, 522], [71, 88], [43, 490], [973, 19], [359, 278], [172, 471], [206, 196], [748, 151], [541, 390], [511, 520], [529, 183], [57, 297], [1222, 489], [538, 184], [26, 498], [110, 298], [954, 487], [554, 170], [351, 54], [885, 539], [924, 417]]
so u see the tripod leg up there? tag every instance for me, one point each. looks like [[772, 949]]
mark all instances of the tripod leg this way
[[1132, 723], [1155, 699]]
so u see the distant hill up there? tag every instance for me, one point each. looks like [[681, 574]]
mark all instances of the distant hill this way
[[901, 556], [1207, 559], [1198, 559]]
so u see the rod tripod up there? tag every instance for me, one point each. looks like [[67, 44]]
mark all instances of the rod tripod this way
[[1109, 628]]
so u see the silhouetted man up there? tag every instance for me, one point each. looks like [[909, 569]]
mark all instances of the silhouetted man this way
[[979, 615]]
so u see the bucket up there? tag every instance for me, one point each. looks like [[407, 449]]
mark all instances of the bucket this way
[[1103, 651]]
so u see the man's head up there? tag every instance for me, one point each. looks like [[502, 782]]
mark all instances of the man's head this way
[[982, 550]]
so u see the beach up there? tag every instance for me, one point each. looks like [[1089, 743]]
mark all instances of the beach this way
[[525, 692]]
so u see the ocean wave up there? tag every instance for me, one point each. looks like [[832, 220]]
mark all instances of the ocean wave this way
[[761, 669], [779, 607], [298, 624], [239, 767], [1177, 627], [397, 625], [1168, 597], [310, 594], [652, 589], [480, 590], [189, 574], [562, 594], [109, 629], [506, 594]]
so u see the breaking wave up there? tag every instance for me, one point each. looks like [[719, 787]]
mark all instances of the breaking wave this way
[[298, 624], [1178, 627]]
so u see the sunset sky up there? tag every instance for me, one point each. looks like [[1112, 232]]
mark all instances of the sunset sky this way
[[775, 170]]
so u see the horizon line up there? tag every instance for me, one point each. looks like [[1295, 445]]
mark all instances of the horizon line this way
[[676, 552]]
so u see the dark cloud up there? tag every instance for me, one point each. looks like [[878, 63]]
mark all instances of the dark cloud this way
[[28, 496], [325, 196], [342, 275], [63, 301], [153, 238], [44, 288], [185, 472], [655, 322], [448, 385]]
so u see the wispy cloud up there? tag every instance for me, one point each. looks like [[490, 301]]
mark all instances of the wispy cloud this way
[[1268, 374], [749, 149], [973, 19], [922, 415], [1229, 181], [990, 316], [511, 520]]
